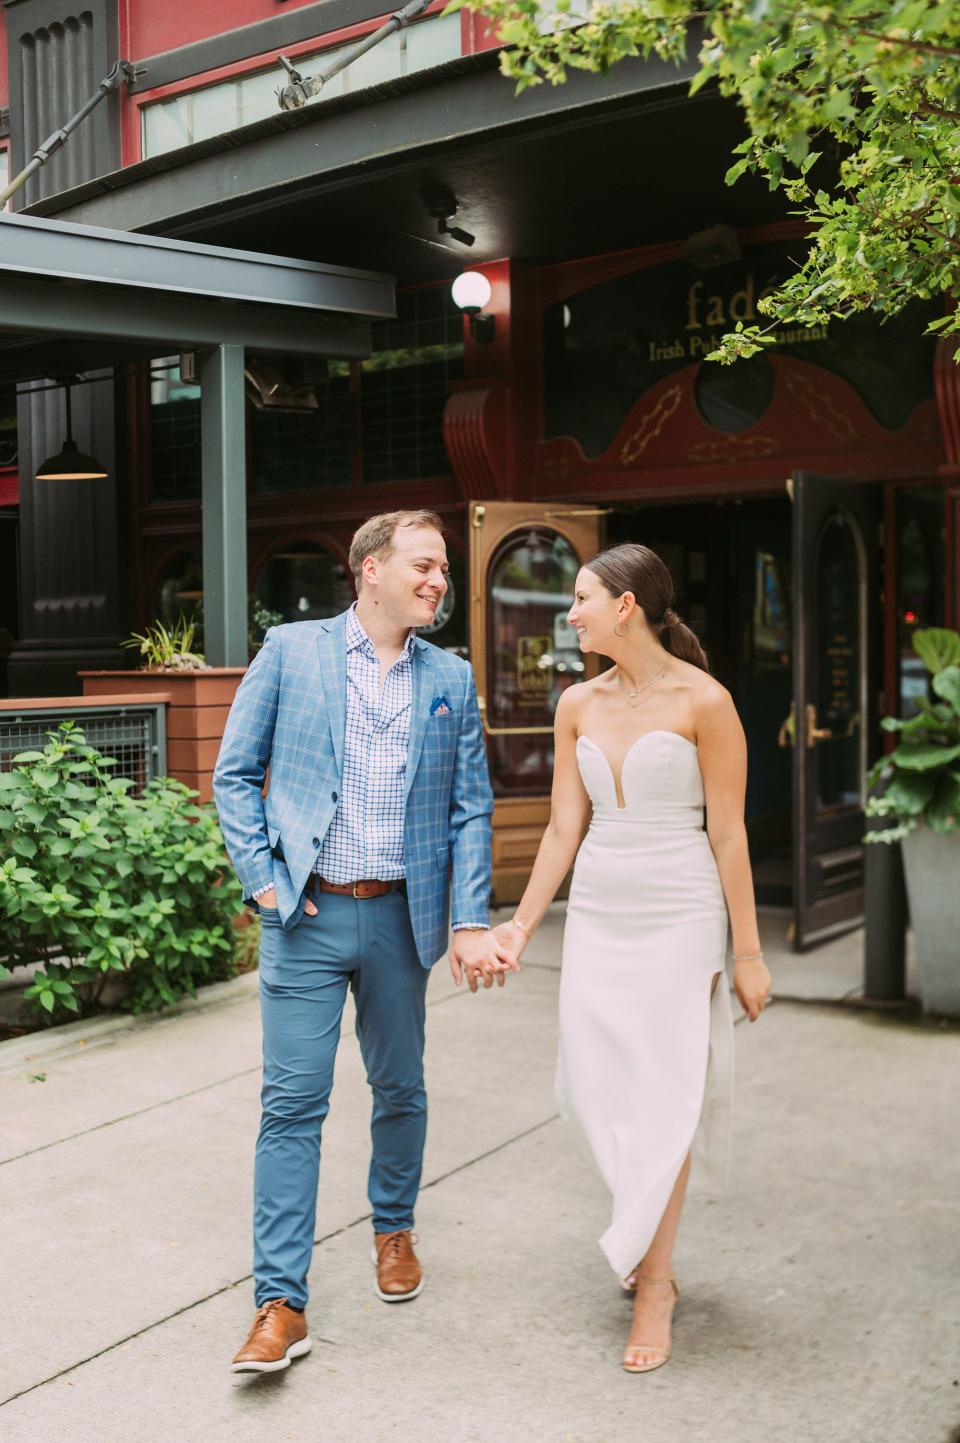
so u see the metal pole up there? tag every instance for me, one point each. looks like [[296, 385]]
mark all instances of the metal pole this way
[[224, 497], [122, 71], [885, 929], [302, 89]]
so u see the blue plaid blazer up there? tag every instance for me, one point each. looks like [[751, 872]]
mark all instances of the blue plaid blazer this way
[[290, 714]]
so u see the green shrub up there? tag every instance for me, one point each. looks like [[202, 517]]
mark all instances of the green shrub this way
[[921, 777], [95, 882]]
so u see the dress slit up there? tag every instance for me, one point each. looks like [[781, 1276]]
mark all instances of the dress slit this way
[[645, 1067]]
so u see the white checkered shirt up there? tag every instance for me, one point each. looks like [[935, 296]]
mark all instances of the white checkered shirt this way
[[365, 838]]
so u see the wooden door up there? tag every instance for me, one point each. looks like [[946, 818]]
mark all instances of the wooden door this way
[[836, 673], [524, 559]]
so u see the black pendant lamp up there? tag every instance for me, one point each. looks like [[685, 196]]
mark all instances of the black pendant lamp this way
[[70, 463]]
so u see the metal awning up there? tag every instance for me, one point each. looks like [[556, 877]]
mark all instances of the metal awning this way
[[77, 298]]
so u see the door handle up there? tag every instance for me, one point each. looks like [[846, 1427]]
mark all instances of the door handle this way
[[788, 728], [814, 733]]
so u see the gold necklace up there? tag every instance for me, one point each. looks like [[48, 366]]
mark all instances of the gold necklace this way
[[640, 693]]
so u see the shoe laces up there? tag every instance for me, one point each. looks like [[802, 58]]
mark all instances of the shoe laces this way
[[393, 1245], [266, 1311]]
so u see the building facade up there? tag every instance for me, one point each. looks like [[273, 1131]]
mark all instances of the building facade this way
[[806, 501]]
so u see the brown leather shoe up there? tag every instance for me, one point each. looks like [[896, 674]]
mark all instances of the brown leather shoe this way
[[278, 1334], [398, 1275]]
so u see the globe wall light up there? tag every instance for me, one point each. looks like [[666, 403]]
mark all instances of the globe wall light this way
[[471, 291]]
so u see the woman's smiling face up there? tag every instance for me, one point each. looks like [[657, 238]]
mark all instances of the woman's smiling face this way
[[594, 612]]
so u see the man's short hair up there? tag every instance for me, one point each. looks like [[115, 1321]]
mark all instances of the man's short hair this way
[[375, 536]]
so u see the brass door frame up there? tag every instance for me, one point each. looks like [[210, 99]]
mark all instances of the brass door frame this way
[[490, 523]]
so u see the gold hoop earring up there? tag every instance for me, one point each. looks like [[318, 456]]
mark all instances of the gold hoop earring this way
[[619, 633]]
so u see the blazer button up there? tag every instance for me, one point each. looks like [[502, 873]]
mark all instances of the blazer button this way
[[316, 841], [333, 795]]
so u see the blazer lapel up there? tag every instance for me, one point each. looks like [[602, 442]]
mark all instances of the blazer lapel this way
[[331, 645], [419, 709]]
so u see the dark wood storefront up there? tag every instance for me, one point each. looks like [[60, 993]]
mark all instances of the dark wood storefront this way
[[806, 502]]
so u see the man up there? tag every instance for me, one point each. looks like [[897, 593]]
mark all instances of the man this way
[[378, 791]]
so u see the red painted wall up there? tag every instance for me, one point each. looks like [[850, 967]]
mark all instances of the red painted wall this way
[[153, 28], [4, 87]]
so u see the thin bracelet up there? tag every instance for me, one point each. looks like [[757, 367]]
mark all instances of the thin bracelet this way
[[748, 957], [523, 929]]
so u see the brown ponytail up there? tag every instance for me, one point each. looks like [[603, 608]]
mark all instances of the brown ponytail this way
[[635, 568]]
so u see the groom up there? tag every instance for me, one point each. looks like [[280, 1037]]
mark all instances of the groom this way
[[378, 792]]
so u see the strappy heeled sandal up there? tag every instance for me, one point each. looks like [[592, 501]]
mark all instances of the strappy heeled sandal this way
[[663, 1355]]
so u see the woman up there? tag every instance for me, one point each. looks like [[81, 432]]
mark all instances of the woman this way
[[645, 1029]]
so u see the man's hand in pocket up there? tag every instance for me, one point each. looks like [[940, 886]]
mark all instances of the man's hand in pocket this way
[[269, 899]]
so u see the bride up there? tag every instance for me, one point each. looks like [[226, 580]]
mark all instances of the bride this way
[[646, 1045]]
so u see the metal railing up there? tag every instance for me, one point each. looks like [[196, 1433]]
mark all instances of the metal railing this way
[[133, 733]]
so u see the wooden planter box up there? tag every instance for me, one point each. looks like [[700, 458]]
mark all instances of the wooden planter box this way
[[196, 713]]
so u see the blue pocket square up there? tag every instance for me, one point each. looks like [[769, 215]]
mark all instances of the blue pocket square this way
[[439, 706]]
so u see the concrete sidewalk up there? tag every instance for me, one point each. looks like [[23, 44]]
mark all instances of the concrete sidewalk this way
[[820, 1294]]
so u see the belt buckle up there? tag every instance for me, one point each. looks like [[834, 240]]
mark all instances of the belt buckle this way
[[356, 894]]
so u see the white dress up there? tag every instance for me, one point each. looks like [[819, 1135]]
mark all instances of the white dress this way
[[646, 1057]]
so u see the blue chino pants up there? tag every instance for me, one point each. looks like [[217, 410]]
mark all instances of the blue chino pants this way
[[304, 975]]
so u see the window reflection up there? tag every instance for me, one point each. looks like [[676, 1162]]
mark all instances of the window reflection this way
[[180, 589], [838, 663], [533, 653], [920, 584], [303, 581]]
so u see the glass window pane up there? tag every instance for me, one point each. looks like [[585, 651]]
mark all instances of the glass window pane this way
[[303, 582], [174, 435], [921, 601], [180, 590], [432, 42], [8, 427], [532, 652], [258, 94], [297, 451], [166, 125], [215, 109], [405, 384], [383, 62], [838, 663]]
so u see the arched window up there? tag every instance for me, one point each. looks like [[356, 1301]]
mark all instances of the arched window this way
[[180, 588], [301, 581]]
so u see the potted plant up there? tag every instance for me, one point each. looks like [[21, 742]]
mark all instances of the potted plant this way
[[917, 786], [199, 697]]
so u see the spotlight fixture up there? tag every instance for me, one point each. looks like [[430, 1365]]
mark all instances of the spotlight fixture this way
[[441, 205], [718, 245], [70, 463], [471, 291]]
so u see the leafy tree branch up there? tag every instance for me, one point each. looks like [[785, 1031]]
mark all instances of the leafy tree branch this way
[[850, 113]]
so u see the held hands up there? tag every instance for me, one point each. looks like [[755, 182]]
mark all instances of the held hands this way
[[480, 956], [511, 940], [752, 982]]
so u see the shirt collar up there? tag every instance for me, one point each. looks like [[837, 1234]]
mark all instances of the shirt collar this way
[[357, 636]]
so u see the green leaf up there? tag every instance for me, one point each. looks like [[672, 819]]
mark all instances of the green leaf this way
[[943, 814], [909, 792], [924, 756], [735, 171], [946, 683], [937, 647]]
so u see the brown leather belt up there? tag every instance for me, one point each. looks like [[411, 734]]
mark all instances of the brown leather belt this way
[[362, 890]]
